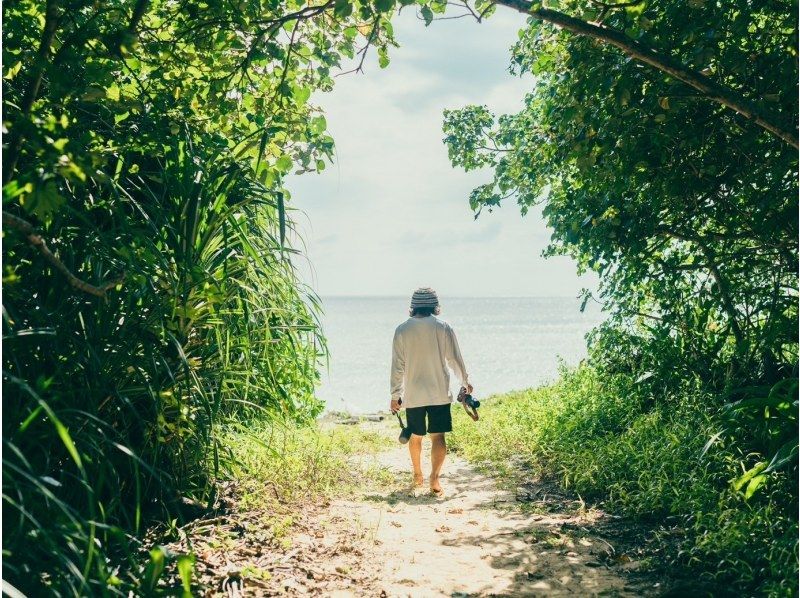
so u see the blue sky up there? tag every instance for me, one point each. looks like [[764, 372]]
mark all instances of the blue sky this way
[[392, 214]]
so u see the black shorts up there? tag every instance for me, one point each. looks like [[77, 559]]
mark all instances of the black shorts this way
[[439, 419]]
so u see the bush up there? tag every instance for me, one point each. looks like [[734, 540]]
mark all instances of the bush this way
[[649, 457], [296, 463], [113, 407]]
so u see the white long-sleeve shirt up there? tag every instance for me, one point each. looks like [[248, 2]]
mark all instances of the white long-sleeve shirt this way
[[422, 350]]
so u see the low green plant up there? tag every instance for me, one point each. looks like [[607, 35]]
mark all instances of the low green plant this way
[[275, 471], [606, 439], [282, 465]]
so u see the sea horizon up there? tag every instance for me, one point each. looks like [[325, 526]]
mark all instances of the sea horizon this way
[[444, 297], [508, 343]]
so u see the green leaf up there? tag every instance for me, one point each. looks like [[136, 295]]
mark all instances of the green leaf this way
[[13, 190], [343, 8], [112, 92], [318, 124], [785, 455], [155, 568], [622, 95], [427, 15], [185, 568], [44, 201], [384, 5], [710, 442], [12, 72], [301, 94], [66, 439], [281, 218], [739, 483], [284, 163], [383, 58], [93, 94], [635, 9], [754, 485]]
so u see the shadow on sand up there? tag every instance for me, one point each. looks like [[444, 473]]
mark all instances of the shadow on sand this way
[[553, 547]]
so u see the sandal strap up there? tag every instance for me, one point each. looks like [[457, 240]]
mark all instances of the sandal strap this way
[[471, 412]]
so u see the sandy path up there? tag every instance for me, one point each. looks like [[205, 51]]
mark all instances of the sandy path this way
[[476, 541], [384, 541]]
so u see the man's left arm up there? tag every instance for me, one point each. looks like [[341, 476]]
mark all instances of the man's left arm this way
[[456, 361]]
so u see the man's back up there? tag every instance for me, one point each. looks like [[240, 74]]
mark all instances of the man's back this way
[[423, 348]]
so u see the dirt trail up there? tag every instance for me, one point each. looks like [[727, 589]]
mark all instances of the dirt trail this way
[[386, 541], [476, 541]]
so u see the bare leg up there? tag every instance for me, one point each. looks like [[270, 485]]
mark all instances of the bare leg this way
[[438, 453], [415, 449]]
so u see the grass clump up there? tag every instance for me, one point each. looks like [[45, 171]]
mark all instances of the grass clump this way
[[284, 466], [648, 457], [275, 478]]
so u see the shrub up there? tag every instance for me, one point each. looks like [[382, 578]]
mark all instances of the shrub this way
[[606, 439]]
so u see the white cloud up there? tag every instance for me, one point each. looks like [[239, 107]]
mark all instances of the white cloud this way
[[392, 213]]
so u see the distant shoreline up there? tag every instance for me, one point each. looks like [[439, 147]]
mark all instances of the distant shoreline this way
[[453, 297]]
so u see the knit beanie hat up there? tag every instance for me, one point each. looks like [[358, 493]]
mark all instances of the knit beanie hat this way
[[424, 297]]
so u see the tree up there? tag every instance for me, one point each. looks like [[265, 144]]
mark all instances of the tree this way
[[685, 49], [686, 210], [634, 35]]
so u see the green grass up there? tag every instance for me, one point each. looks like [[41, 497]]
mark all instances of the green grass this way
[[604, 439], [285, 466], [275, 476]]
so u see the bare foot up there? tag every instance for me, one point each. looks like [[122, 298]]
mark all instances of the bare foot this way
[[416, 485], [436, 487]]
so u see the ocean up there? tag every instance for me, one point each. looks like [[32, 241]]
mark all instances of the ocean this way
[[507, 344]]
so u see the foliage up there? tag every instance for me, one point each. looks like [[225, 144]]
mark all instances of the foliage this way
[[129, 77], [115, 404], [601, 437], [146, 143], [686, 211], [298, 464]]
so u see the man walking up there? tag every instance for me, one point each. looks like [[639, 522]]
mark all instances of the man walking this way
[[424, 347]]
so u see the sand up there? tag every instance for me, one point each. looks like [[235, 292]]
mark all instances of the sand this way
[[478, 541]]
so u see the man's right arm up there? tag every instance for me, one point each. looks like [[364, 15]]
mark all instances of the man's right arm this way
[[398, 369]]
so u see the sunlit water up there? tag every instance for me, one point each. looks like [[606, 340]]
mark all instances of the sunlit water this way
[[507, 344]]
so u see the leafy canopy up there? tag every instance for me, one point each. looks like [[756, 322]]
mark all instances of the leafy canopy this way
[[686, 209]]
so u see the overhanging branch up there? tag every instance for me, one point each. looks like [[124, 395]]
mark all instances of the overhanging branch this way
[[709, 88], [26, 228]]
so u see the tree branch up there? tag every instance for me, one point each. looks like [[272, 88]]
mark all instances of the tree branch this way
[[362, 52], [709, 88], [138, 14], [36, 240], [722, 284], [51, 19]]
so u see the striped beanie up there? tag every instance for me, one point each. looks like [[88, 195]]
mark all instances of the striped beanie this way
[[424, 297]]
